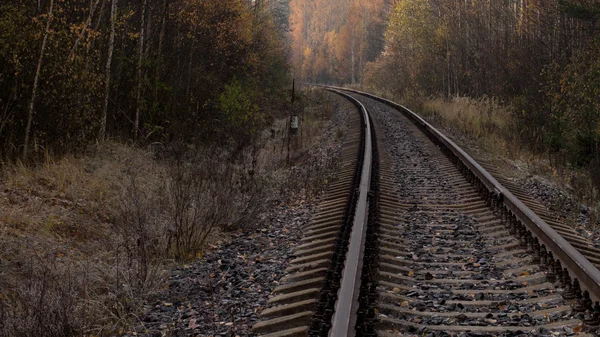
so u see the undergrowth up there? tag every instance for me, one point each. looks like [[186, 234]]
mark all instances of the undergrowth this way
[[85, 239]]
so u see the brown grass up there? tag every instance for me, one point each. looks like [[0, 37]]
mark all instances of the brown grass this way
[[63, 267], [487, 127], [85, 239], [487, 124], [484, 120]]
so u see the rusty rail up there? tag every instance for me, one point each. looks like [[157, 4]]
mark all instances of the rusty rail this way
[[346, 307]]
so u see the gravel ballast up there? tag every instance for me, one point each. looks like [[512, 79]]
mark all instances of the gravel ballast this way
[[223, 293]]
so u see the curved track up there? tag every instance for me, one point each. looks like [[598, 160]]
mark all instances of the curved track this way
[[441, 248]]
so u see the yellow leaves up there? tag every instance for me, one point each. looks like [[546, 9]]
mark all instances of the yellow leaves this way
[[133, 36], [396, 290], [307, 52]]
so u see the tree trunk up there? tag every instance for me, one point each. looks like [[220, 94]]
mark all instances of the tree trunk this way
[[161, 38], [448, 68], [36, 80], [140, 60], [7, 113], [100, 15], [111, 46], [352, 51]]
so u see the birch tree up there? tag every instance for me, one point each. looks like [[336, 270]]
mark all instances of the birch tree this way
[[36, 79], [139, 71], [111, 47]]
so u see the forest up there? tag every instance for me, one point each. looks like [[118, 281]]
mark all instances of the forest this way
[[133, 132], [130, 134], [541, 56], [334, 40], [186, 69], [74, 72], [540, 60]]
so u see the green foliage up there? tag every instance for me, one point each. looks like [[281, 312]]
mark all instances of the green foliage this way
[[238, 103], [574, 93], [576, 9]]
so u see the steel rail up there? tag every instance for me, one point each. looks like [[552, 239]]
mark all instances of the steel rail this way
[[580, 268], [346, 307]]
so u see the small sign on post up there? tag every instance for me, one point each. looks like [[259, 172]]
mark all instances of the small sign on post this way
[[294, 123]]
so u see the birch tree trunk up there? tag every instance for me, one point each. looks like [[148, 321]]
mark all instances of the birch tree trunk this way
[[36, 80], [111, 46], [161, 38], [140, 60]]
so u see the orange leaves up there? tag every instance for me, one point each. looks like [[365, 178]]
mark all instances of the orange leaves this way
[[307, 52], [337, 34]]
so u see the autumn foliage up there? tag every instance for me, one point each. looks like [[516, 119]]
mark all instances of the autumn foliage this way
[[172, 60], [334, 40], [540, 58]]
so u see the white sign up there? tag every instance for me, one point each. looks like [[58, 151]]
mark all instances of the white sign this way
[[295, 122]]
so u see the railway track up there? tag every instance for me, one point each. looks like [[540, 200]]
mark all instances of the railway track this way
[[416, 238]]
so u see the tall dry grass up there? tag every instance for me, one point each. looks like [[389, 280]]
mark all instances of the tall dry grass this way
[[488, 125], [485, 120], [84, 240], [64, 268]]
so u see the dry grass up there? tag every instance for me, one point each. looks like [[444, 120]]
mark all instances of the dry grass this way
[[487, 126], [484, 122], [63, 266], [72, 195], [85, 240]]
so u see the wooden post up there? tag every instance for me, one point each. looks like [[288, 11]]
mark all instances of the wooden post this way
[[289, 128]]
